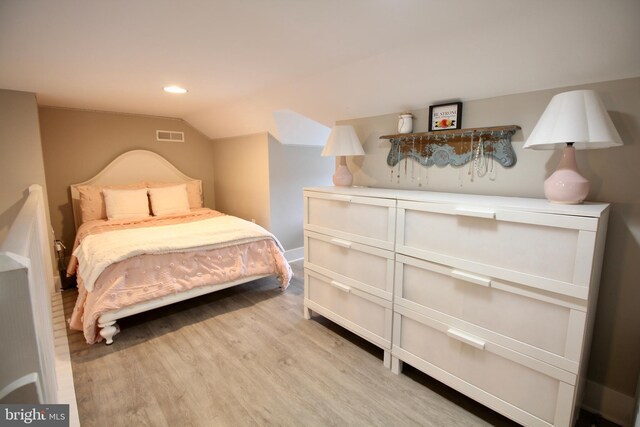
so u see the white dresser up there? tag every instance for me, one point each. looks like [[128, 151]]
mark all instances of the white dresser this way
[[493, 296], [349, 262]]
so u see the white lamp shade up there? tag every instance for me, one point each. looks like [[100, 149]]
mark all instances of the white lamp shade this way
[[577, 117], [343, 141]]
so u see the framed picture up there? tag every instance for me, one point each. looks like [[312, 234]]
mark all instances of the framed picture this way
[[445, 116]]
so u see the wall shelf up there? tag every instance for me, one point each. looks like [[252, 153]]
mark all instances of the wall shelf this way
[[454, 147]]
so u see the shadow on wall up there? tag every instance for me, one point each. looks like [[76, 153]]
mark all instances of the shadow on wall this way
[[613, 175], [618, 288], [8, 216], [68, 224]]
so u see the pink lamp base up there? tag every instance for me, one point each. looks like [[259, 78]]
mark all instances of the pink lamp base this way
[[343, 176], [566, 185]]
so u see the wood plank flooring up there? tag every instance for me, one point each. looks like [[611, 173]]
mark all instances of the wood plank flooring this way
[[245, 356]]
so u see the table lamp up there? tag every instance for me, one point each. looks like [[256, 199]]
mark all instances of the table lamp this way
[[579, 120], [343, 142]]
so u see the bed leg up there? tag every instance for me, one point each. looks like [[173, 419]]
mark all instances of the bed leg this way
[[108, 330]]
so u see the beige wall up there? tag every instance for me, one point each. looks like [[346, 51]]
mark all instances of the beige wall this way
[[21, 162], [615, 178], [242, 177], [259, 178], [77, 144]]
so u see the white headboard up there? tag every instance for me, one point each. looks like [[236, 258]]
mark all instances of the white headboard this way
[[130, 168]]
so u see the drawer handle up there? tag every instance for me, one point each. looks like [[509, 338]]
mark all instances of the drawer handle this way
[[471, 278], [342, 198], [480, 213], [340, 286], [467, 339], [343, 243]]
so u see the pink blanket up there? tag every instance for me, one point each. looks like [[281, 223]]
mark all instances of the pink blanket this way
[[149, 276]]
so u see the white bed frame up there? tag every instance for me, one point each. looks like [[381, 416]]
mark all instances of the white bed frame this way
[[130, 168]]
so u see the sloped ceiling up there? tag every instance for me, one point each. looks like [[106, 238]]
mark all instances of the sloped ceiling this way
[[328, 60]]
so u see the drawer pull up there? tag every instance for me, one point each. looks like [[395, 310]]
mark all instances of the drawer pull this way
[[471, 278], [480, 213], [340, 286], [342, 198], [343, 243], [467, 339]]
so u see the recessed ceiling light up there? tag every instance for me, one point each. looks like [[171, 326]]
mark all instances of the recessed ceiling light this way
[[175, 89]]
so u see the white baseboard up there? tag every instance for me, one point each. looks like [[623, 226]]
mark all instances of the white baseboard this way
[[608, 403], [294, 254]]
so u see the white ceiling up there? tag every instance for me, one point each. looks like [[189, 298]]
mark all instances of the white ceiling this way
[[325, 59]]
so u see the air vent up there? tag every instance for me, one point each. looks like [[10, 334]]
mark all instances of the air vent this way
[[169, 136]]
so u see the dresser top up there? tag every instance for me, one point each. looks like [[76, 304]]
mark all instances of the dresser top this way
[[588, 209]]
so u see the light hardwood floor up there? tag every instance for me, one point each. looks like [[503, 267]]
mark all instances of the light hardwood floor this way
[[246, 356]]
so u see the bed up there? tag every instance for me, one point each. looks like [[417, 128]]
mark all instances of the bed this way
[[143, 241]]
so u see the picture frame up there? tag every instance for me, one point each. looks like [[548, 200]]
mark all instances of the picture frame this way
[[445, 116]]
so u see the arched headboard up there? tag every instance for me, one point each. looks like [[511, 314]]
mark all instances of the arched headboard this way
[[130, 168]]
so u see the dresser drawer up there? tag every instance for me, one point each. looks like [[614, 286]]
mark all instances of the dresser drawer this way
[[366, 220], [547, 251], [525, 389], [362, 313], [536, 323], [365, 267]]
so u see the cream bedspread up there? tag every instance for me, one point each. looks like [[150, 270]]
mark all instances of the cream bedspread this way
[[145, 276]]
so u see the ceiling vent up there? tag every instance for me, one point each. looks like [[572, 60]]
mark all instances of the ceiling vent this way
[[169, 136]]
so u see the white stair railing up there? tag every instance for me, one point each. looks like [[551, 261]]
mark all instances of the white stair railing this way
[[27, 357]]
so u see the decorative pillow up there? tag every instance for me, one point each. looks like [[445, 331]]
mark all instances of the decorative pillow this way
[[126, 204], [194, 191], [169, 200], [92, 201]]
